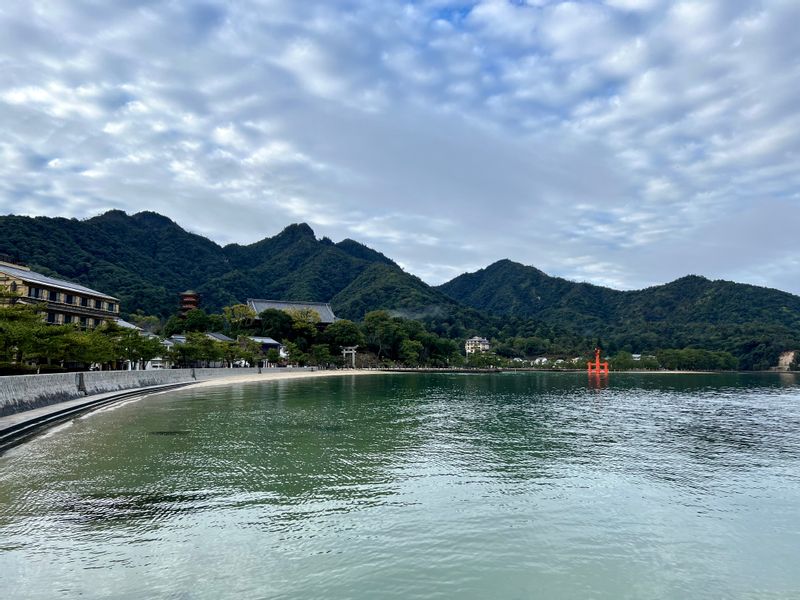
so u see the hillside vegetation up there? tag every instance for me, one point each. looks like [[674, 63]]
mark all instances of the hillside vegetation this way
[[146, 259], [753, 323]]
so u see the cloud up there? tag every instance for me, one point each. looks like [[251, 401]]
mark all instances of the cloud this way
[[623, 142]]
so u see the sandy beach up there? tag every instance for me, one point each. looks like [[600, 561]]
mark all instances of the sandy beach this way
[[280, 374]]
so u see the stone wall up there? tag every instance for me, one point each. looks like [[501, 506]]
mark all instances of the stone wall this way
[[24, 392]]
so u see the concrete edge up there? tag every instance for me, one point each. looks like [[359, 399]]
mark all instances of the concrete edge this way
[[17, 433]]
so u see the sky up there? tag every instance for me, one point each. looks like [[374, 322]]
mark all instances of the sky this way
[[622, 142]]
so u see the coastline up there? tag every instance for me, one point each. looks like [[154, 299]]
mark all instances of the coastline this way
[[19, 427], [281, 375]]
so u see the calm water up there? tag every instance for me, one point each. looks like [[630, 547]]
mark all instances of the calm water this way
[[416, 486]]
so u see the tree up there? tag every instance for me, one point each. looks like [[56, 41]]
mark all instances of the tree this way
[[174, 325], [196, 321], [320, 355], [137, 348], [410, 351], [49, 343], [296, 355], [239, 317], [342, 333], [622, 361], [381, 332], [249, 350], [19, 325], [273, 356], [304, 326], [198, 348]]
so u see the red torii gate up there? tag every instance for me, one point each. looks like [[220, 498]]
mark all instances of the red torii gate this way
[[597, 367]]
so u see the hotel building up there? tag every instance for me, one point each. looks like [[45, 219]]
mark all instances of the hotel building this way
[[62, 302]]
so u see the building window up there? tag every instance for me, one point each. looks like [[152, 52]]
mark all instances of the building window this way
[[84, 302], [67, 319], [52, 296], [69, 299], [84, 321], [111, 306], [98, 304], [51, 317], [34, 292]]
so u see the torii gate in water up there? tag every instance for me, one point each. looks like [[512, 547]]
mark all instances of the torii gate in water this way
[[597, 367]]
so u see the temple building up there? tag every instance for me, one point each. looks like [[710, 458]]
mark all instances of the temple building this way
[[323, 309], [63, 302]]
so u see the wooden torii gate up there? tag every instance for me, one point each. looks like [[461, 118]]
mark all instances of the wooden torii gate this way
[[597, 367]]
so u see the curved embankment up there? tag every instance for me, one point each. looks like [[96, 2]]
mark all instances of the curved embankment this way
[[32, 403]]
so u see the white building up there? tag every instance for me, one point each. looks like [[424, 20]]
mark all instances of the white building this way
[[476, 344]]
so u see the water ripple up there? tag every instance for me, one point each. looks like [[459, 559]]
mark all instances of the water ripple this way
[[430, 486]]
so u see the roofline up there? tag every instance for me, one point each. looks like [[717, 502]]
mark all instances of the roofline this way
[[64, 286], [308, 302]]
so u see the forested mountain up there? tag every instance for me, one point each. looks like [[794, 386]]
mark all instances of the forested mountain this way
[[146, 260], [752, 322]]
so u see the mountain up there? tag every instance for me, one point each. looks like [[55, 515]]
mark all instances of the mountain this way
[[750, 321], [511, 289], [146, 259]]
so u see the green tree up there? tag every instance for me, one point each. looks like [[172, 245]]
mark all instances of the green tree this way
[[199, 349], [273, 356], [304, 326], [320, 355], [296, 355], [382, 333], [410, 351], [249, 350], [173, 326], [137, 348], [196, 321], [239, 317], [19, 327], [342, 333]]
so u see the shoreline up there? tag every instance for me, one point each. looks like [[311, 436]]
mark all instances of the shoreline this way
[[281, 375]]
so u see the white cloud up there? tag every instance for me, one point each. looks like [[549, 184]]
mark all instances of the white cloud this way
[[621, 142]]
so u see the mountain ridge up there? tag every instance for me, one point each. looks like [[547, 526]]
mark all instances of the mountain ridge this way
[[691, 311], [146, 259]]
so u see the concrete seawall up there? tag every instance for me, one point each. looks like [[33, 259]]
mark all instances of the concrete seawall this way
[[25, 392]]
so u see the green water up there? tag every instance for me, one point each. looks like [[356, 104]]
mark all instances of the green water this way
[[416, 486]]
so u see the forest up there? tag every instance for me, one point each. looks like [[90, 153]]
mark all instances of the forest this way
[[146, 259]]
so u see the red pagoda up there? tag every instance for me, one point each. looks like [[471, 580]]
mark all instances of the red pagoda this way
[[190, 300]]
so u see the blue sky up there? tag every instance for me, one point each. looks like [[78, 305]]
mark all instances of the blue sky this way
[[622, 142]]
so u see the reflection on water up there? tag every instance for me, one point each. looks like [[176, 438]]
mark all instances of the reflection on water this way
[[502, 486]]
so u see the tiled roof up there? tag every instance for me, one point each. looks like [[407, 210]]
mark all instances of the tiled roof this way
[[323, 309], [125, 325], [220, 337], [38, 278], [265, 341]]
